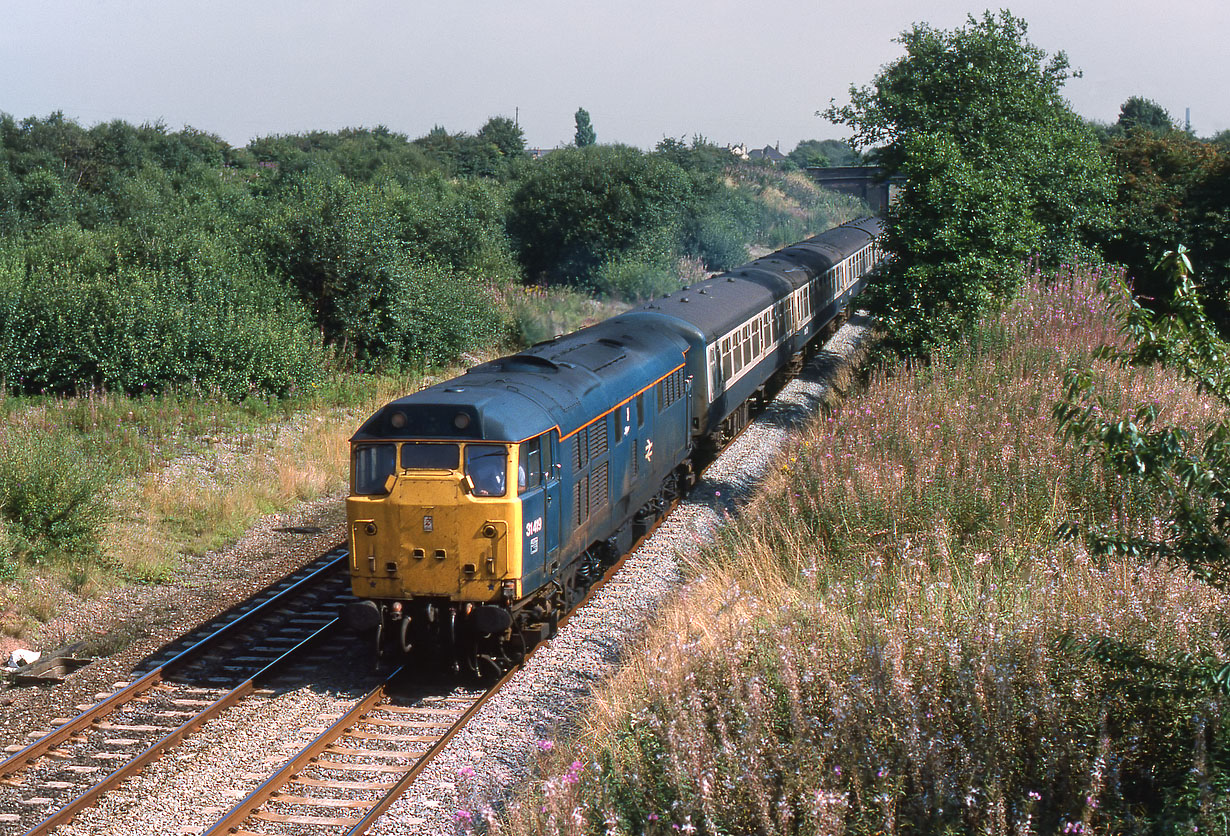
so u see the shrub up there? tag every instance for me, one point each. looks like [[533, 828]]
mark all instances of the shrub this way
[[140, 330], [632, 280], [434, 316], [718, 240], [8, 552], [580, 208], [52, 501]]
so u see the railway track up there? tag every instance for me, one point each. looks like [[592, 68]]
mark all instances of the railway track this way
[[353, 771], [44, 784]]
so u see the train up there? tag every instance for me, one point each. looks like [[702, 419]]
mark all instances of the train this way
[[482, 508]]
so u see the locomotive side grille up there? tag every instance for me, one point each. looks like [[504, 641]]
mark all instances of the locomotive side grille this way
[[580, 501], [670, 389], [636, 458], [597, 438], [598, 488], [580, 449]]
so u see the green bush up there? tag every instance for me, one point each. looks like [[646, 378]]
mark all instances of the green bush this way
[[52, 503], [580, 208], [633, 280], [433, 316], [8, 552], [139, 330], [717, 240], [459, 225]]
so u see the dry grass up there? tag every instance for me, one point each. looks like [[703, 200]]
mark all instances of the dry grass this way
[[208, 498], [875, 646], [184, 474]]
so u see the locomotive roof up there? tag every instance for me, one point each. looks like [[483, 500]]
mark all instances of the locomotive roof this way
[[565, 382]]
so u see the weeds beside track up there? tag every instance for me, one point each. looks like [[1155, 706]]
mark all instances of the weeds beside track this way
[[875, 645]]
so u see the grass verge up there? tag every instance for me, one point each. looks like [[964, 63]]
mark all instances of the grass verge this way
[[878, 644], [106, 489]]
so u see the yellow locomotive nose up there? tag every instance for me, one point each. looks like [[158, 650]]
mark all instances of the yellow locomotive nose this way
[[434, 535]]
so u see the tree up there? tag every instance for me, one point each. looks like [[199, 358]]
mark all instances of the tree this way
[[585, 131], [1144, 114], [1170, 187], [582, 207], [504, 134], [823, 153], [996, 166]]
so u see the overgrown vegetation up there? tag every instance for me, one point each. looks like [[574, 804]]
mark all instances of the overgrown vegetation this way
[[881, 642], [945, 615], [106, 488]]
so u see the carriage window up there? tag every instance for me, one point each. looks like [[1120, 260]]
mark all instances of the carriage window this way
[[418, 456], [373, 465], [487, 466]]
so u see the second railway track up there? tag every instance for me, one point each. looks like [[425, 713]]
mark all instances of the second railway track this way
[[346, 777], [62, 772]]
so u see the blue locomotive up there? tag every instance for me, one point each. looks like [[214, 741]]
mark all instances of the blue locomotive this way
[[481, 508]]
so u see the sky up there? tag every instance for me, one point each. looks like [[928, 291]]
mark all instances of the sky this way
[[733, 72]]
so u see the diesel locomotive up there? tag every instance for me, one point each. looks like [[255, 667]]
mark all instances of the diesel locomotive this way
[[481, 508]]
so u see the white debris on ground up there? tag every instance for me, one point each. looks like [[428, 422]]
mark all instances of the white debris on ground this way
[[21, 657]]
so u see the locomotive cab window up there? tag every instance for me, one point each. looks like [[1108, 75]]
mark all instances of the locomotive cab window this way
[[487, 469], [373, 465], [534, 463], [425, 456], [533, 460]]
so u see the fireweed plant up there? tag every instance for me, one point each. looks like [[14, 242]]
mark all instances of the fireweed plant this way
[[876, 643], [1187, 472]]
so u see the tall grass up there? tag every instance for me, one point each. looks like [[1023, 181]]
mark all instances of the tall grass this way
[[876, 645], [108, 489], [541, 313]]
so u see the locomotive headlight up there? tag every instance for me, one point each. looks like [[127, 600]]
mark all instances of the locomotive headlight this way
[[398, 420], [489, 531], [370, 529]]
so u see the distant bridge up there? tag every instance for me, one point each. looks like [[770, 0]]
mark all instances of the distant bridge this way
[[865, 181]]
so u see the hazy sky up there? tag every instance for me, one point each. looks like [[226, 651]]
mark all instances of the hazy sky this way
[[752, 72]]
